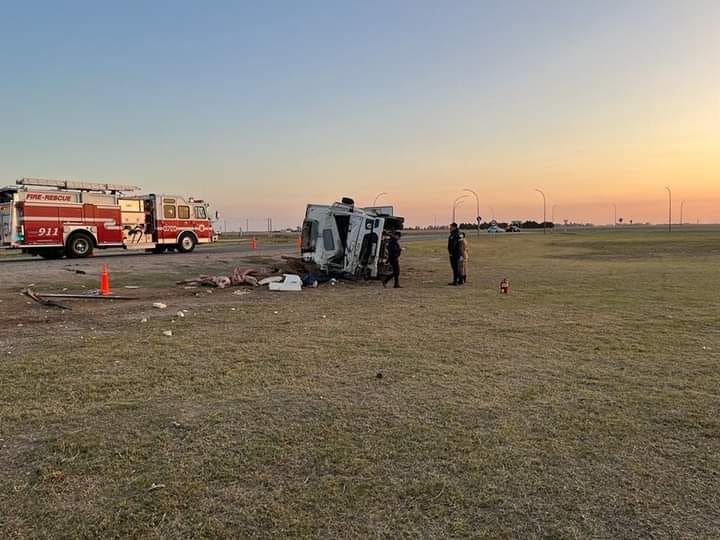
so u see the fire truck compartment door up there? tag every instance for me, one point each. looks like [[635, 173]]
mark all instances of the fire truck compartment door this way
[[89, 211]]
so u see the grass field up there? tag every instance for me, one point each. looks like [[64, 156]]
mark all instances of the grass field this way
[[584, 404]]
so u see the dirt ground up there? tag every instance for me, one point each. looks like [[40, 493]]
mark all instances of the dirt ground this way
[[584, 404]]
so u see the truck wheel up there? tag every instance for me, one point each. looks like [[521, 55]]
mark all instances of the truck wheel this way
[[79, 245], [186, 243], [51, 253]]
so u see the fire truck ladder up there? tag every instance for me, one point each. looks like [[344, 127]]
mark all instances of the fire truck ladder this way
[[80, 186]]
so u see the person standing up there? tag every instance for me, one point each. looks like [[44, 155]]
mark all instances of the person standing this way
[[462, 261], [454, 252], [394, 252]]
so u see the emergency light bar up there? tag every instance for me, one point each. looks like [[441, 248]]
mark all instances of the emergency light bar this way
[[69, 184]]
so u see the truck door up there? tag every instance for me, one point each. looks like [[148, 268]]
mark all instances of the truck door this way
[[6, 224]]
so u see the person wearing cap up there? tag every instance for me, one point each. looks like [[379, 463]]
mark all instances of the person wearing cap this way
[[454, 252]]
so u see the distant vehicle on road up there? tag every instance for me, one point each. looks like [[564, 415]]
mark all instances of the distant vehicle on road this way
[[494, 229]]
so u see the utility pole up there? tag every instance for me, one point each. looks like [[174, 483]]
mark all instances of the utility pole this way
[[669, 208], [682, 203], [477, 209], [614, 215], [540, 191]]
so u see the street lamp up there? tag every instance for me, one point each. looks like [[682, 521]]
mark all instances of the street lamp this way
[[682, 203], [477, 208], [457, 203], [378, 196], [614, 215], [669, 208], [540, 191]]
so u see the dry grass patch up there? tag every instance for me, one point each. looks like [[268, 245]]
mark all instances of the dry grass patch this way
[[582, 405]]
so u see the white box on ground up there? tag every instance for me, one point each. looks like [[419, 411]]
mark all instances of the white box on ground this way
[[292, 282]]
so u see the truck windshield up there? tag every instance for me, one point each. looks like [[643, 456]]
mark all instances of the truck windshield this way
[[309, 235]]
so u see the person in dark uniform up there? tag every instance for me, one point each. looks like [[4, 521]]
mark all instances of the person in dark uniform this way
[[454, 252], [394, 252]]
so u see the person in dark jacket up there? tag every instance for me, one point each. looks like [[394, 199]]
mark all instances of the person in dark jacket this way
[[454, 252], [394, 252]]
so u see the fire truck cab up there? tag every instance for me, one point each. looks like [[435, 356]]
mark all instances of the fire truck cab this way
[[54, 218], [165, 222]]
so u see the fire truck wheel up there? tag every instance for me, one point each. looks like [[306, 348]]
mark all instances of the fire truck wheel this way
[[79, 245], [186, 243]]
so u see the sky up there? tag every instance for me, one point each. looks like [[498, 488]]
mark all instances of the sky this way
[[263, 107]]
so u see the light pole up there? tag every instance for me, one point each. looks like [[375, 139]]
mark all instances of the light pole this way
[[377, 197], [669, 208], [477, 208], [614, 215], [682, 203], [540, 191], [457, 203]]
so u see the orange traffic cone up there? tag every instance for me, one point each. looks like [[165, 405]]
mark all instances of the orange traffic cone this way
[[298, 242], [253, 243], [104, 281]]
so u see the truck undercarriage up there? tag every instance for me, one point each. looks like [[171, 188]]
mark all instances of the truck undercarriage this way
[[346, 241]]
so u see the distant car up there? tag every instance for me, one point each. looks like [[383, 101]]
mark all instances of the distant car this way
[[512, 228], [495, 229]]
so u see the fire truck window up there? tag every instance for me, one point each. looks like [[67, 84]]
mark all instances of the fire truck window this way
[[200, 212], [169, 211], [184, 212]]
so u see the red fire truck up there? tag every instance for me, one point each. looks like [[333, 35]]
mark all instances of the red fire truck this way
[[54, 218]]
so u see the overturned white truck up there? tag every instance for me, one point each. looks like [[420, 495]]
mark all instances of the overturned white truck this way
[[346, 241]]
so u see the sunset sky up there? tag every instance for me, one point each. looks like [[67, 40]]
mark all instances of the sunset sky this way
[[262, 107]]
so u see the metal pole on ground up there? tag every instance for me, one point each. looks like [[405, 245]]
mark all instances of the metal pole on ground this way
[[669, 208]]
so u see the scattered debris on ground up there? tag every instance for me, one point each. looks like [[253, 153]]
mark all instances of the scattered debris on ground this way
[[308, 274], [240, 276], [290, 282], [49, 303], [93, 295]]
